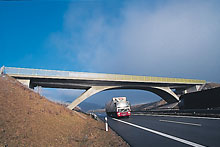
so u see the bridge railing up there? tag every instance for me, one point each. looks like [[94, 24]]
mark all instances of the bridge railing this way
[[96, 76]]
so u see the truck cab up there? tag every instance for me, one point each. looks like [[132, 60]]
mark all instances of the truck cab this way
[[118, 107]]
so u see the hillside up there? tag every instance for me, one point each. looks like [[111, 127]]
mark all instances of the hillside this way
[[86, 106], [28, 119], [148, 106]]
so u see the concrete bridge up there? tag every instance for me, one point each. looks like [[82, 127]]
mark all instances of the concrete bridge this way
[[170, 89]]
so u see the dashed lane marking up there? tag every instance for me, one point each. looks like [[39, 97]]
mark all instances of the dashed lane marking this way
[[179, 122]]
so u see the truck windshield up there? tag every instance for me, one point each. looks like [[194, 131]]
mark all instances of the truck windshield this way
[[124, 110]]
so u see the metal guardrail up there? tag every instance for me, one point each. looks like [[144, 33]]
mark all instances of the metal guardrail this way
[[191, 112], [97, 76]]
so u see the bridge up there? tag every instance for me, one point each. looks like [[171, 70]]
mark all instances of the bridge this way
[[170, 89]]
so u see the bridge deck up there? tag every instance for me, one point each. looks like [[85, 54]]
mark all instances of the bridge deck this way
[[55, 74]]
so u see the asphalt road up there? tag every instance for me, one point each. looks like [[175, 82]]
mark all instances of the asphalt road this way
[[160, 130]]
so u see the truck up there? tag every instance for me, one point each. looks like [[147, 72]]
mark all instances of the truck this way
[[118, 107]]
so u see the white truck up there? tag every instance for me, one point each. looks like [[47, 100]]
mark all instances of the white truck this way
[[118, 107]]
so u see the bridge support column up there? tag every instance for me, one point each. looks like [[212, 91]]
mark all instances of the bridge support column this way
[[166, 93], [194, 89], [91, 91], [25, 82], [2, 70]]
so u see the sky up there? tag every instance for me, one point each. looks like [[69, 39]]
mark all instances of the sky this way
[[165, 38]]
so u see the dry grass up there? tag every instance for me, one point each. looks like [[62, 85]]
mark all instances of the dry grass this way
[[28, 119]]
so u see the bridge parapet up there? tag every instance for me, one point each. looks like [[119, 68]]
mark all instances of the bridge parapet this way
[[38, 73]]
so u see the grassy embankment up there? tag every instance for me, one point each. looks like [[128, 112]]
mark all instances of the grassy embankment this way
[[28, 119]]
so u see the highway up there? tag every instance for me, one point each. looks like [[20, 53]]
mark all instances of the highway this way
[[163, 130]]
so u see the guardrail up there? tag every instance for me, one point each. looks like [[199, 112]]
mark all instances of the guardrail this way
[[190, 112], [97, 76]]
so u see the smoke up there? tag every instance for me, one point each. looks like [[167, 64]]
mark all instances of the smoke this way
[[161, 38]]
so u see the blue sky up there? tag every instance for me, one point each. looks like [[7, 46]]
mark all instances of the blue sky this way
[[155, 38], [25, 30]]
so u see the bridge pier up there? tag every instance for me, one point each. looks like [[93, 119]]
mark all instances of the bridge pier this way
[[25, 82], [166, 93], [2, 70], [194, 89]]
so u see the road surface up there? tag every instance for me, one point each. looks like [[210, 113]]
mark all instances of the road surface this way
[[161, 130]]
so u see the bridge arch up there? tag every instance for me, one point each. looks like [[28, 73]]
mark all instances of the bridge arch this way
[[164, 92]]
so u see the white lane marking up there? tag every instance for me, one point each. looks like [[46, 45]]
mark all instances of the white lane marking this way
[[179, 116], [162, 134], [179, 122]]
